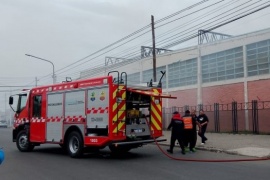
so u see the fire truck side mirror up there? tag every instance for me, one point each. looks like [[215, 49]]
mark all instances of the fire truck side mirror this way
[[10, 100]]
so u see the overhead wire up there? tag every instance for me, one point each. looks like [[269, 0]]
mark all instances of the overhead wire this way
[[199, 17], [167, 32], [125, 43], [210, 29], [232, 19], [133, 38], [186, 38], [188, 14], [221, 24], [126, 37], [223, 14], [68, 68], [178, 12], [229, 3]]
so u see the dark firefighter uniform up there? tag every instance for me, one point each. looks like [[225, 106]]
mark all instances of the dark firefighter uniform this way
[[177, 126]]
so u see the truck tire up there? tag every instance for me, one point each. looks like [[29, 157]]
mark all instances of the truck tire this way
[[23, 143], [75, 145]]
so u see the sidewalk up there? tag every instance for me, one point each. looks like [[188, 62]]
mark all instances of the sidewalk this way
[[241, 144]]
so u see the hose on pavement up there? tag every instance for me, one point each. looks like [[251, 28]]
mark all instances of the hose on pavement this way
[[203, 160]]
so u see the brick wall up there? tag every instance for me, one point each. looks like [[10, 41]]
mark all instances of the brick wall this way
[[184, 97], [259, 90], [223, 94]]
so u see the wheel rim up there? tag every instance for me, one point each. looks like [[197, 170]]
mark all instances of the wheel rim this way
[[74, 144], [23, 141]]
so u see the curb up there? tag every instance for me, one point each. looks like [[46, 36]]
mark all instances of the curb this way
[[217, 150], [211, 149]]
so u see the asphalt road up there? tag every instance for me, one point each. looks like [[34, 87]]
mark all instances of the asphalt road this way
[[49, 162]]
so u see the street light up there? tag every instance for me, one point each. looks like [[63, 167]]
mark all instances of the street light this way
[[44, 60]]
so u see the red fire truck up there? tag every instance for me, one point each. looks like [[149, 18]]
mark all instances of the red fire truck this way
[[89, 113]]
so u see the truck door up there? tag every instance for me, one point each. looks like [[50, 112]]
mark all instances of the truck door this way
[[37, 121]]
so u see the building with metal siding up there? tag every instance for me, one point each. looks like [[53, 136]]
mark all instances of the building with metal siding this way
[[233, 69]]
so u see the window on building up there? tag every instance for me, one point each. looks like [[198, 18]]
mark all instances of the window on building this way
[[223, 65], [133, 78], [258, 58], [182, 73]]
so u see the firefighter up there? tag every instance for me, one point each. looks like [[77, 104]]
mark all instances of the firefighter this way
[[177, 126], [190, 131]]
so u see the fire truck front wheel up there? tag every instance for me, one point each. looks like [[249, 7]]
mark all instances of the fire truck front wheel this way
[[23, 143], [75, 144]]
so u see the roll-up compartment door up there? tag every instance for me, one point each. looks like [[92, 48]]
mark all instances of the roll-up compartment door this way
[[55, 118]]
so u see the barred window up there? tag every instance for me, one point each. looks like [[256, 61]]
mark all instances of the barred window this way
[[258, 58], [182, 73], [223, 65], [133, 78]]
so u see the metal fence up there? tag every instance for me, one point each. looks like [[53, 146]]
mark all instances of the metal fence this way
[[250, 117]]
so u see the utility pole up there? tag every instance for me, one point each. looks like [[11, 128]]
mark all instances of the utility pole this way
[[10, 118], [154, 49]]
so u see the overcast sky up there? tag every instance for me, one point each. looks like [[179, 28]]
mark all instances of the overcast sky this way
[[65, 31]]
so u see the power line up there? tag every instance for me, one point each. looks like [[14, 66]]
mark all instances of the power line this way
[[126, 37], [214, 20], [178, 12], [167, 32], [229, 20], [164, 34], [134, 33], [112, 47], [189, 14]]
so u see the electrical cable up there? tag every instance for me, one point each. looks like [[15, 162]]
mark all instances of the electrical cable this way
[[191, 13], [223, 15], [222, 24], [195, 35], [102, 54], [227, 4], [204, 15], [178, 12], [110, 50], [134, 33], [138, 31]]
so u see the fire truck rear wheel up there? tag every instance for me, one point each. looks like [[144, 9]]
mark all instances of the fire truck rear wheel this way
[[23, 143], [75, 145]]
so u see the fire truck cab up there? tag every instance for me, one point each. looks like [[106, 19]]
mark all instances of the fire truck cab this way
[[88, 114]]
